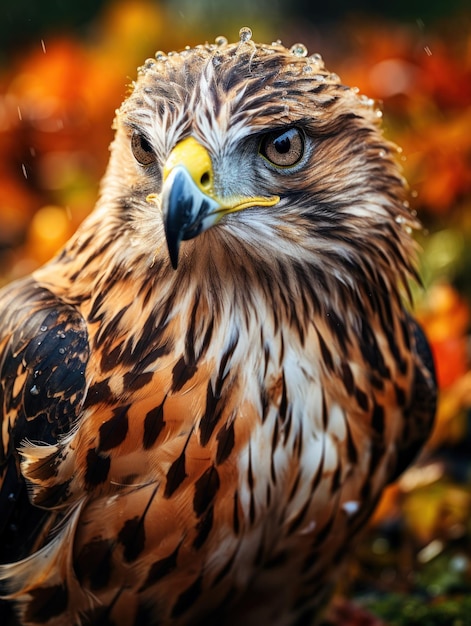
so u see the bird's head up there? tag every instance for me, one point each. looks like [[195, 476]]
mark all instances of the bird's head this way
[[257, 153]]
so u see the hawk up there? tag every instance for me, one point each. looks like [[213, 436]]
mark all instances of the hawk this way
[[204, 393]]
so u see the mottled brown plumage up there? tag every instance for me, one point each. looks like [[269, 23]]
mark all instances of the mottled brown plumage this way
[[205, 392]]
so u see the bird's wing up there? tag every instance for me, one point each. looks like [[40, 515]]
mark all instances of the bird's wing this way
[[423, 399], [43, 354]]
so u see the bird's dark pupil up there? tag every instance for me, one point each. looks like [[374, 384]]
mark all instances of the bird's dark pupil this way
[[282, 144], [145, 144]]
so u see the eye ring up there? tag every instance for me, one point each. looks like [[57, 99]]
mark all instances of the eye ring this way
[[283, 148], [141, 149]]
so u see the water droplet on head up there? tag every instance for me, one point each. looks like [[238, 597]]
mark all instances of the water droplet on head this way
[[335, 78], [34, 391], [316, 58], [43, 329], [160, 56], [221, 40], [245, 34], [61, 350], [382, 154], [299, 50], [149, 64], [307, 69]]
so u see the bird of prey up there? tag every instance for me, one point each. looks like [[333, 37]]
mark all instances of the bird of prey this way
[[206, 390]]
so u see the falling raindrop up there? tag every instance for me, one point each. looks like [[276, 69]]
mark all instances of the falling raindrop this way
[[299, 50], [43, 46], [25, 173], [20, 117], [245, 34], [351, 507], [34, 391], [221, 40]]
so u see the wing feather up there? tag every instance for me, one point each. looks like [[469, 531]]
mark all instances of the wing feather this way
[[43, 354]]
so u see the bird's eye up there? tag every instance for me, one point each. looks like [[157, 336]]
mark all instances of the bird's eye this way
[[283, 148], [142, 150]]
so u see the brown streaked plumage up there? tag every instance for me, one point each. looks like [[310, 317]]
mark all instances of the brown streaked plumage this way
[[205, 392]]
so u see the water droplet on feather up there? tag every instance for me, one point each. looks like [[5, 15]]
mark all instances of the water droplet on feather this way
[[245, 34], [299, 50]]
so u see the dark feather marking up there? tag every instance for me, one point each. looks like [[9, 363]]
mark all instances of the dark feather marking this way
[[214, 400], [98, 468], [110, 328], [188, 597], [336, 479], [52, 496], [203, 528], [352, 451], [337, 326], [206, 488], [93, 562], [326, 354], [400, 395], [235, 514], [347, 378], [161, 568], [251, 483], [377, 419], [133, 381], [226, 441], [295, 486], [153, 425], [182, 372], [113, 432], [274, 444], [282, 411], [361, 398], [132, 534], [99, 392], [46, 603], [299, 518], [177, 472]]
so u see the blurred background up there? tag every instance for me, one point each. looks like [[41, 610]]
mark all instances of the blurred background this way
[[64, 69]]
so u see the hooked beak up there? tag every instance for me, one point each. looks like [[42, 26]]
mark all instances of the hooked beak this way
[[189, 204]]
